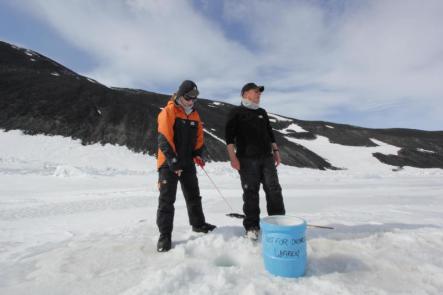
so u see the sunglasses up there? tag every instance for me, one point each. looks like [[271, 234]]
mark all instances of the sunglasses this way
[[191, 95], [188, 98]]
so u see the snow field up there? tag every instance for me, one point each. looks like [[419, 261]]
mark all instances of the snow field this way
[[81, 220]]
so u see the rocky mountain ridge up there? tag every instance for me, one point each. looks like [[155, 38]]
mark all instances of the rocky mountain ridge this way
[[41, 96]]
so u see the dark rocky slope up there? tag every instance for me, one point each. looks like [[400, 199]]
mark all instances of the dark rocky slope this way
[[38, 95]]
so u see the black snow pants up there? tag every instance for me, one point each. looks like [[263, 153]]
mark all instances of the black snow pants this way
[[167, 182], [254, 171]]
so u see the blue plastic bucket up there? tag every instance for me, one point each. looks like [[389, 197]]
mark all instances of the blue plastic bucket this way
[[284, 245]]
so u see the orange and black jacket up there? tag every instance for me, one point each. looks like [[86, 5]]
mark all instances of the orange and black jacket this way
[[180, 137]]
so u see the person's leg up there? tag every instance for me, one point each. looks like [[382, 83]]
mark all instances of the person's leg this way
[[272, 188], [167, 182], [250, 181], [191, 192]]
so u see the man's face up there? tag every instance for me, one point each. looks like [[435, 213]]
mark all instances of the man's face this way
[[253, 95]]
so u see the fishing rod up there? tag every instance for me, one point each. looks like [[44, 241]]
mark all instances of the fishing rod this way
[[234, 215], [320, 226], [242, 216]]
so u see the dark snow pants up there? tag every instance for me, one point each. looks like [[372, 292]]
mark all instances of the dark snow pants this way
[[252, 173], [167, 182]]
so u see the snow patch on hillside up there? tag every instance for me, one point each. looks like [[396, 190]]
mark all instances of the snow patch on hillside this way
[[356, 158], [426, 151], [215, 136], [92, 80], [279, 118], [292, 127]]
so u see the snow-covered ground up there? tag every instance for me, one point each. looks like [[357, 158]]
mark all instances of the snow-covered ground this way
[[81, 220]]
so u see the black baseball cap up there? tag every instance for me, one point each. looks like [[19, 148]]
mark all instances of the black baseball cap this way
[[249, 86], [188, 88]]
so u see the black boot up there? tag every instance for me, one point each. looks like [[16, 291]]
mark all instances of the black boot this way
[[253, 233], [204, 228], [164, 243]]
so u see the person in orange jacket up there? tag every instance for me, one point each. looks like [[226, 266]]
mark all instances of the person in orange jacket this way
[[180, 147]]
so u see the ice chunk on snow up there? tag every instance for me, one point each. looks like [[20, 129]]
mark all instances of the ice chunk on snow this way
[[67, 171]]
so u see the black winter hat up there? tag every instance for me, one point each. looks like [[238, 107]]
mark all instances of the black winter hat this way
[[187, 88], [249, 86]]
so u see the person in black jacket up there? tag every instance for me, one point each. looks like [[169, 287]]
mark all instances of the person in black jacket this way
[[254, 153]]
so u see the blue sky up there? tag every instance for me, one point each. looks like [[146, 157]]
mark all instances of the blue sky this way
[[369, 63]]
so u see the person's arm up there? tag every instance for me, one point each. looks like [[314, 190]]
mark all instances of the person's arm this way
[[275, 149], [235, 163], [230, 136], [276, 153], [165, 139], [197, 153]]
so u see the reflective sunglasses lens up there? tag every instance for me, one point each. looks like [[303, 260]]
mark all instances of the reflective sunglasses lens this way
[[186, 97], [192, 94]]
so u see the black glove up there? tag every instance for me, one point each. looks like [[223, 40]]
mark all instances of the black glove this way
[[174, 164]]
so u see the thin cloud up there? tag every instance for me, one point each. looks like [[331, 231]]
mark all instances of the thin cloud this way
[[145, 43]]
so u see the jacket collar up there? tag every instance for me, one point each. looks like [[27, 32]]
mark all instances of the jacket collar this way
[[173, 103]]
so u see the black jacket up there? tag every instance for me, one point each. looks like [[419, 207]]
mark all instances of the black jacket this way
[[250, 131]]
